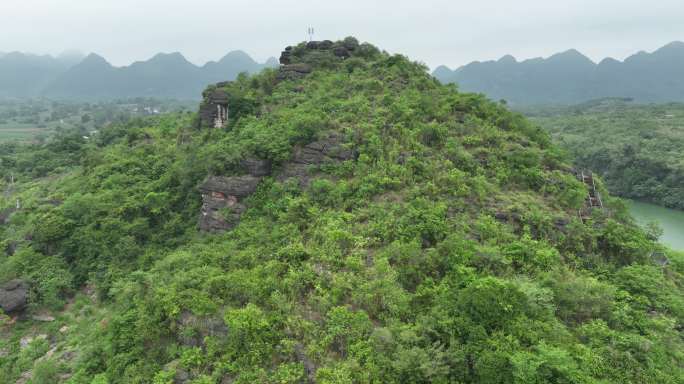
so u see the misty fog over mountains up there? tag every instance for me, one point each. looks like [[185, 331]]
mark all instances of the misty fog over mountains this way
[[570, 77], [70, 76], [564, 78]]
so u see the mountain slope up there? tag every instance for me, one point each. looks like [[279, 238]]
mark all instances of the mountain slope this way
[[162, 76], [570, 77], [24, 75], [93, 76], [354, 221]]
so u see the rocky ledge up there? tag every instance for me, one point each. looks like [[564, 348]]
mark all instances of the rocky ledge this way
[[306, 159], [223, 197], [222, 201]]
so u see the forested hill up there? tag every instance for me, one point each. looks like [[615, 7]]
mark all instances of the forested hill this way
[[637, 149], [92, 77], [342, 219], [571, 78]]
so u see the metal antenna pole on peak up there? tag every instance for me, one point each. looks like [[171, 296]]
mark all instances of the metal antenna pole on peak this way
[[310, 32]]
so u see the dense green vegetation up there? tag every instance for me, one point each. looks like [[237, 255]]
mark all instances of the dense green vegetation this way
[[637, 149], [389, 268]]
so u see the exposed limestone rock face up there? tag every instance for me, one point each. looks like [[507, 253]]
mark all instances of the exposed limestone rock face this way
[[286, 55], [14, 296], [322, 45], [293, 71], [324, 151], [213, 111], [222, 201], [223, 196]]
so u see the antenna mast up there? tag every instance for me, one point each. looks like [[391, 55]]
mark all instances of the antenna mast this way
[[310, 32]]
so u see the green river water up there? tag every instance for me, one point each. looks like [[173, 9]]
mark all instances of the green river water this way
[[670, 220]]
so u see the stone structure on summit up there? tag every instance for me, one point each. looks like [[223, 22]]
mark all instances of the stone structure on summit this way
[[213, 111], [296, 62], [224, 197]]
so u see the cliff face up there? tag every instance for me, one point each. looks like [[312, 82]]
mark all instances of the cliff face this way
[[223, 197]]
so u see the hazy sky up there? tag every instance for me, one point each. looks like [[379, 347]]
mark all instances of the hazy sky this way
[[433, 31]]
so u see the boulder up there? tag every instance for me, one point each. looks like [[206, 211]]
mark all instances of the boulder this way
[[43, 318], [14, 296], [285, 57], [325, 44], [341, 52]]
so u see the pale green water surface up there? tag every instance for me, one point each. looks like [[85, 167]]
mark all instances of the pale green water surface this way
[[670, 220]]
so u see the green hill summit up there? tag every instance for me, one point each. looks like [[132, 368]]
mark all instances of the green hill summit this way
[[344, 218]]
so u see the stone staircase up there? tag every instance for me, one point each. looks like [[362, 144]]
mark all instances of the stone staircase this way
[[593, 200]]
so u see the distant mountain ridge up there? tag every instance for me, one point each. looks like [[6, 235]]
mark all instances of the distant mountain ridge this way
[[570, 77], [70, 76], [25, 75]]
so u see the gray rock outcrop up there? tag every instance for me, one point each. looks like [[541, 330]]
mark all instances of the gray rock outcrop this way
[[293, 61], [222, 201], [14, 296], [327, 150], [341, 52], [286, 56], [213, 111], [293, 71], [223, 197]]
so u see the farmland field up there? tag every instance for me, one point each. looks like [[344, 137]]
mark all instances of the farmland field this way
[[29, 120]]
